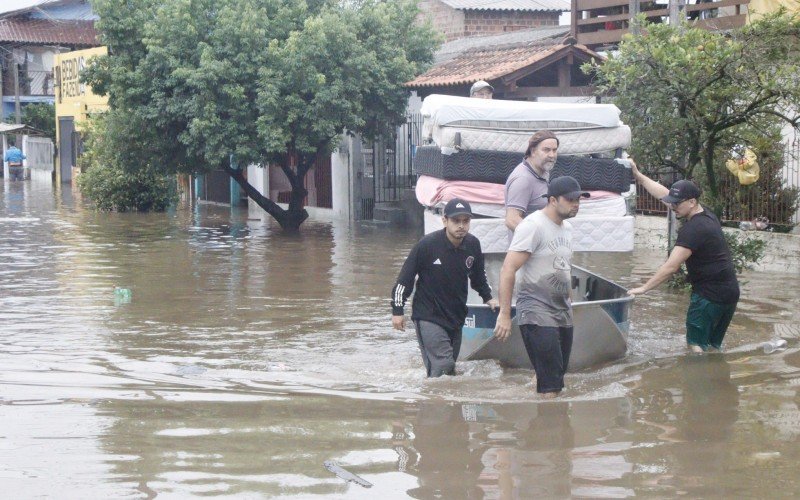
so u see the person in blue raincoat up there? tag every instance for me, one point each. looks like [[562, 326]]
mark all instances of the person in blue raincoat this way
[[14, 158]]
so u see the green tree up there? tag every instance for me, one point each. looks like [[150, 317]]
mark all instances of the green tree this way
[[42, 117], [269, 81], [689, 93]]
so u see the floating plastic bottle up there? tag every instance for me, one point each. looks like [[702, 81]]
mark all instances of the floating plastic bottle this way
[[774, 345], [122, 295]]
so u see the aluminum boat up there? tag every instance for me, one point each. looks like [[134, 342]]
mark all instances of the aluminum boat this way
[[601, 311]]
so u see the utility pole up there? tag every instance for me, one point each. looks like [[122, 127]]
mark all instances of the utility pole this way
[[16, 93], [17, 112], [677, 12], [634, 8], [2, 87]]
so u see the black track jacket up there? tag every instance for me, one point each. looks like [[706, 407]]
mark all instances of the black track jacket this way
[[442, 271]]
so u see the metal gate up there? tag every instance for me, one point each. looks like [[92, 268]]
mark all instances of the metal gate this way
[[774, 197], [67, 156], [388, 165]]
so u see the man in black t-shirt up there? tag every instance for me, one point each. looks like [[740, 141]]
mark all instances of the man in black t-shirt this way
[[441, 263], [702, 246]]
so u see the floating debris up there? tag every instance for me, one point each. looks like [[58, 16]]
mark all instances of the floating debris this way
[[765, 456], [774, 345], [122, 295], [190, 370], [346, 475]]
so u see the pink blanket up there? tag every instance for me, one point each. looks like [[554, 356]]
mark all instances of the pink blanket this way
[[432, 190]]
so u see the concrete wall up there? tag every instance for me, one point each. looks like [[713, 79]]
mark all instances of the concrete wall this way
[[488, 22], [782, 253], [258, 177], [341, 181]]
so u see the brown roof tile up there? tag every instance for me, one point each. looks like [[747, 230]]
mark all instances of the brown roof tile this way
[[475, 65], [48, 32]]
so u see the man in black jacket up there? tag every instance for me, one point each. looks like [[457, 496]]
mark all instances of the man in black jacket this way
[[442, 262]]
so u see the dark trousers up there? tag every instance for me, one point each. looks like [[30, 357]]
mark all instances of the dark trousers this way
[[549, 348], [439, 347], [16, 173], [707, 322]]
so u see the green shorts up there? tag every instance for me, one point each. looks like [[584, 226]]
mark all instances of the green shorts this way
[[707, 322]]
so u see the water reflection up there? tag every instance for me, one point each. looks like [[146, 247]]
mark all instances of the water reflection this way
[[447, 466], [689, 408]]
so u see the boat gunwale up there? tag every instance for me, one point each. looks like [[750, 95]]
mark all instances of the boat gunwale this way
[[624, 298]]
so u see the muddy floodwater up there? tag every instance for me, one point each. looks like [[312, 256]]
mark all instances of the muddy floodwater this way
[[201, 353]]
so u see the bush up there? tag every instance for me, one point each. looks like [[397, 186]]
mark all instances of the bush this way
[[745, 250], [111, 186]]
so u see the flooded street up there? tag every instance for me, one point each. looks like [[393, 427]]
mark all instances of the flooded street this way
[[243, 358]]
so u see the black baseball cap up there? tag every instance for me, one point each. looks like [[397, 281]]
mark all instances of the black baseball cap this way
[[682, 190], [457, 206], [565, 186]]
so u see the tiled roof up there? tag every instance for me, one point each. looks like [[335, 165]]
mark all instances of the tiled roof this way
[[477, 65], [48, 32], [451, 49], [491, 63], [522, 5]]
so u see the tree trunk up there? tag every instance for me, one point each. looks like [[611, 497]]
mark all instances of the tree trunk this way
[[288, 219]]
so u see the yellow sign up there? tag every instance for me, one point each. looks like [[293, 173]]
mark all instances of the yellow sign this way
[[74, 98]]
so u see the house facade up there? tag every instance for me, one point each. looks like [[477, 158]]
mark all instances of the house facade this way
[[528, 65], [30, 38]]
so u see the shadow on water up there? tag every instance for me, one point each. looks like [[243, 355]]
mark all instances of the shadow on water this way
[[244, 358]]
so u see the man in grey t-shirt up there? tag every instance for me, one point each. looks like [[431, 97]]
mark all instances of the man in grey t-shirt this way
[[527, 184], [542, 248]]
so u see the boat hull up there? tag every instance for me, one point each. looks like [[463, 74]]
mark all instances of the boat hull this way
[[601, 311]]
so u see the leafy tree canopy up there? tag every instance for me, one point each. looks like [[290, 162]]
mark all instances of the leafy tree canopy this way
[[687, 92], [41, 116], [266, 80]]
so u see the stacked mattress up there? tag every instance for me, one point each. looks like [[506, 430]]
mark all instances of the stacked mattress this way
[[496, 125], [495, 166], [474, 144]]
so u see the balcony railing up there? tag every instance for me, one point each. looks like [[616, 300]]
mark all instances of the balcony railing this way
[[31, 83], [602, 23]]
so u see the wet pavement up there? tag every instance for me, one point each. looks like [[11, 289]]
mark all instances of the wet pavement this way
[[243, 358]]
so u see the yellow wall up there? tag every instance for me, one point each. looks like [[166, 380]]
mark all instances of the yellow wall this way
[[758, 8], [74, 98]]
